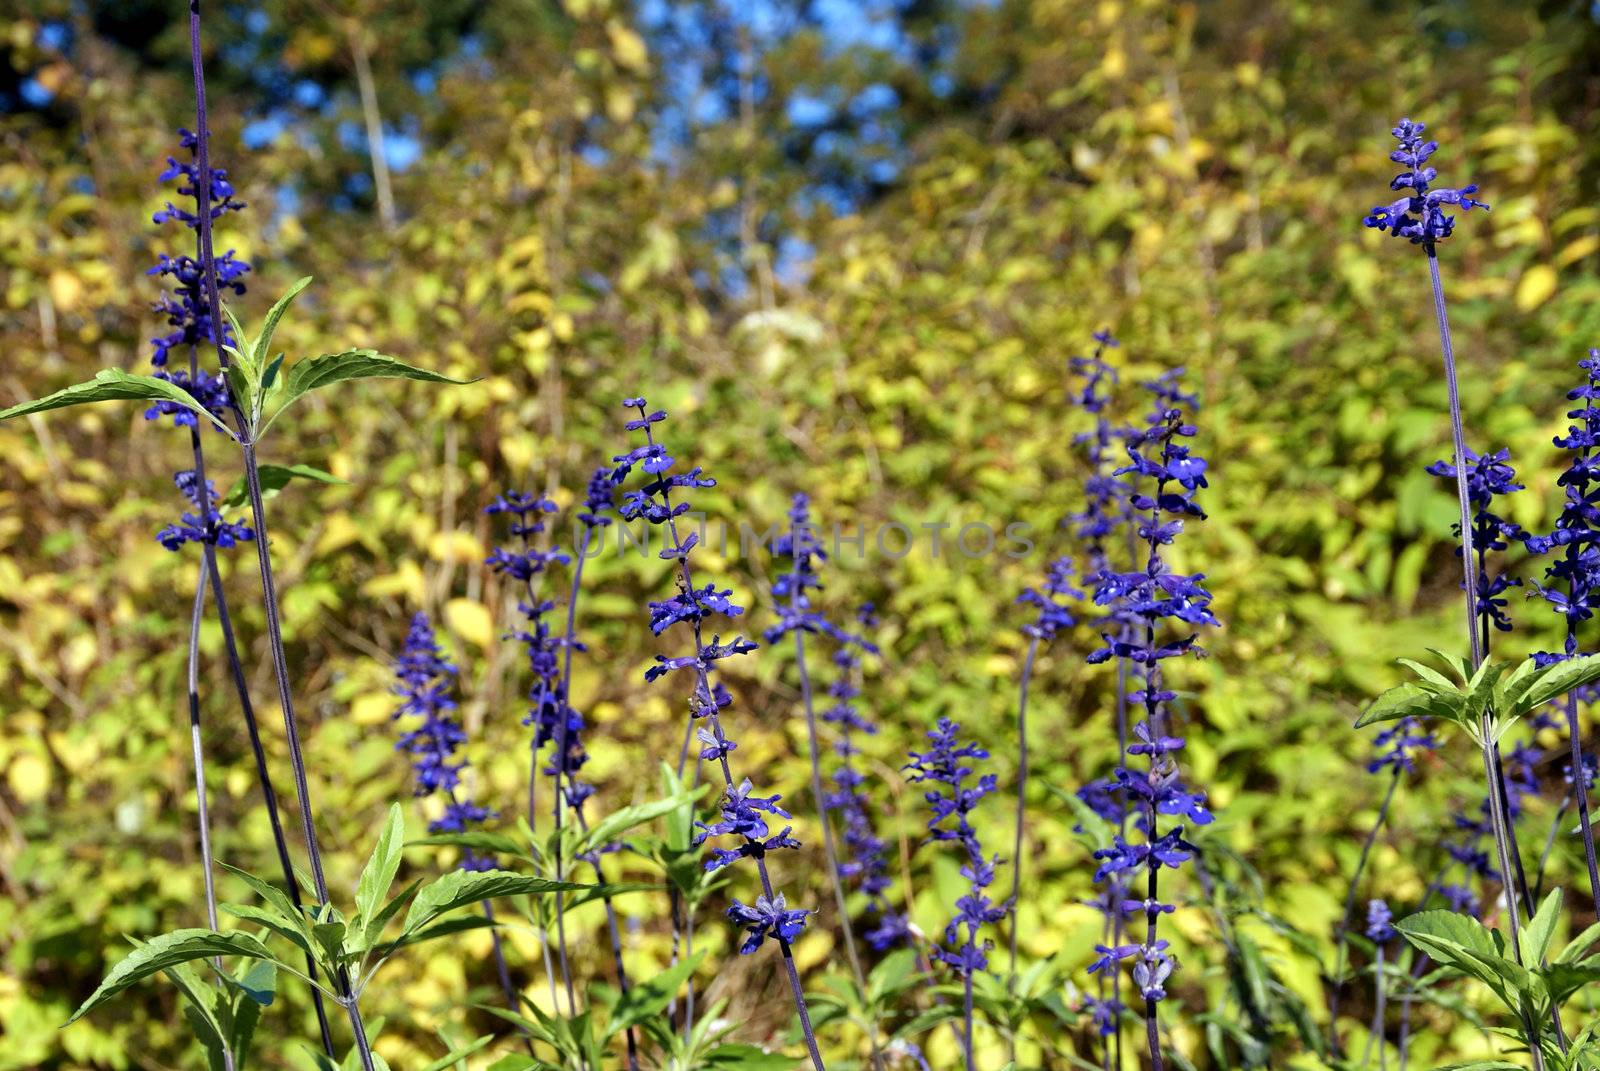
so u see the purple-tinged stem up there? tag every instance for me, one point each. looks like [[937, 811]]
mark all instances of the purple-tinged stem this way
[[686, 578], [197, 748], [1580, 791], [1491, 772], [1350, 906], [208, 281], [1458, 443], [966, 1007], [570, 639], [829, 852], [1549, 844], [1022, 785], [1375, 1034]]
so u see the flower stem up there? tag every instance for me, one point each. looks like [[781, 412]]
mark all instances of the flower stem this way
[[1022, 785], [1580, 791], [703, 683], [1499, 820], [568, 642], [828, 849], [208, 282], [198, 751], [1458, 442], [966, 1011], [297, 762], [1350, 906]]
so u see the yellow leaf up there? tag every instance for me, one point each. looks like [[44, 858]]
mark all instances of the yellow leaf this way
[[459, 547], [1577, 249], [339, 533], [470, 620], [406, 581], [65, 289], [1535, 287], [29, 777], [627, 47], [373, 708]]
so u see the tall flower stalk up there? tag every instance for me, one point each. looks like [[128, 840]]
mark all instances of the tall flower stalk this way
[[209, 283], [525, 563], [569, 755], [1094, 526], [1167, 477], [424, 681], [198, 754], [1574, 588], [949, 765], [866, 862], [1421, 219], [797, 619], [744, 814]]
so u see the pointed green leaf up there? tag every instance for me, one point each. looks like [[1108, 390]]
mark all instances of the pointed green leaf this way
[[265, 917], [1455, 663], [444, 1063], [170, 949], [477, 840], [738, 1056], [384, 863], [1431, 678], [314, 373], [269, 327], [648, 996], [1535, 936], [275, 478], [447, 928], [1412, 701], [461, 887], [620, 821], [1580, 945], [113, 385], [277, 900], [270, 376], [1550, 683], [329, 938]]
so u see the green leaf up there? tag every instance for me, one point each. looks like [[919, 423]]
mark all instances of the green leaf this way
[[1466, 945], [1580, 944], [1432, 679], [269, 327], [1455, 663], [257, 990], [516, 1062], [649, 996], [375, 926], [443, 1063], [265, 917], [329, 937], [170, 949], [384, 863], [740, 1057], [1550, 683], [1412, 701], [1535, 936], [461, 887], [314, 373], [114, 385], [275, 478], [277, 900], [1562, 980], [447, 928], [620, 821], [478, 840], [896, 974]]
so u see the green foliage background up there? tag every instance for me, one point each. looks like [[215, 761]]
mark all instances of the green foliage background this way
[[1192, 176]]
